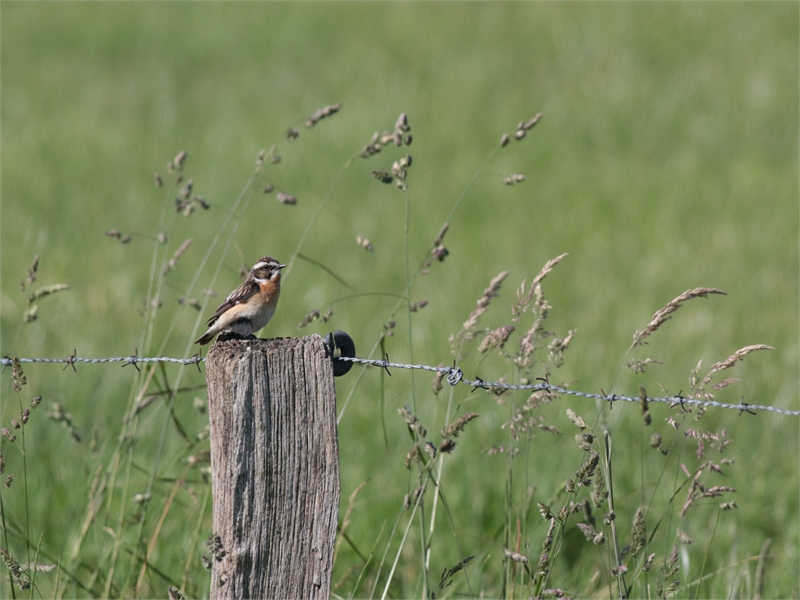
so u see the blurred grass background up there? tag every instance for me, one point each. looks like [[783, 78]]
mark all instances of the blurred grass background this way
[[667, 158]]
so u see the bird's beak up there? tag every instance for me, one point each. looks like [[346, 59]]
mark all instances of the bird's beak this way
[[281, 266]]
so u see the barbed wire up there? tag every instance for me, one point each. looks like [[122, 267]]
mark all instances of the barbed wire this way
[[454, 376], [72, 360]]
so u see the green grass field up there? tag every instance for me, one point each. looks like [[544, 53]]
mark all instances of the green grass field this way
[[666, 159]]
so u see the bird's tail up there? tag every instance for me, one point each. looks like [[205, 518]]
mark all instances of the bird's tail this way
[[207, 337]]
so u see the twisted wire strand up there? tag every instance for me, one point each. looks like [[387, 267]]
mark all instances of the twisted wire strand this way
[[128, 360], [454, 376]]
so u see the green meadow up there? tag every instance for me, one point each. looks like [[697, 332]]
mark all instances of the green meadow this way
[[666, 159]]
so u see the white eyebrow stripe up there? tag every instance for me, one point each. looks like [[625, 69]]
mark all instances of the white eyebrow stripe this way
[[259, 265]]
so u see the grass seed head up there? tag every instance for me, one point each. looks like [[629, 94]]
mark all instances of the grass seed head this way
[[526, 125], [457, 426], [512, 179], [544, 510], [413, 456], [662, 315], [175, 593], [180, 160], [515, 556], [468, 329], [402, 125], [440, 253], [496, 338], [440, 236], [447, 446], [14, 567], [17, 375], [430, 449], [588, 531], [365, 243], [46, 291], [173, 262], [576, 420], [638, 534], [312, 316], [284, 198], [731, 361]]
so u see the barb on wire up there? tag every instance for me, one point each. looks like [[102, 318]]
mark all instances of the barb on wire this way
[[133, 359], [454, 376], [70, 361]]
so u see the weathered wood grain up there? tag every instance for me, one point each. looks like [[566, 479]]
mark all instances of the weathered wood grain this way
[[275, 467]]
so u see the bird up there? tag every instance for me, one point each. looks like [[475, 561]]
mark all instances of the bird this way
[[250, 306]]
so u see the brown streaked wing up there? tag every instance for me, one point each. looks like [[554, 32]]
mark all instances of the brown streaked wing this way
[[238, 296]]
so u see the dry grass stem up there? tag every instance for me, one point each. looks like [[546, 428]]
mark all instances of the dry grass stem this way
[[284, 198], [726, 383], [436, 384], [179, 161], [439, 251], [513, 178], [576, 420], [178, 253], [398, 137], [447, 446], [312, 316], [557, 347], [14, 567], [412, 421], [458, 425], [548, 266], [646, 417], [468, 329], [585, 473], [321, 114], [639, 366], [38, 567], [496, 338], [524, 298], [448, 573], [351, 500], [31, 273], [663, 315], [638, 533], [365, 243], [440, 237], [175, 593], [683, 537], [46, 291], [515, 556], [526, 125], [731, 361]]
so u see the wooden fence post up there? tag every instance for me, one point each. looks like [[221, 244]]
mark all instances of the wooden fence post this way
[[275, 467]]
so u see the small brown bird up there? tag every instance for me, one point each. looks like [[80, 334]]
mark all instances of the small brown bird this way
[[249, 307]]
